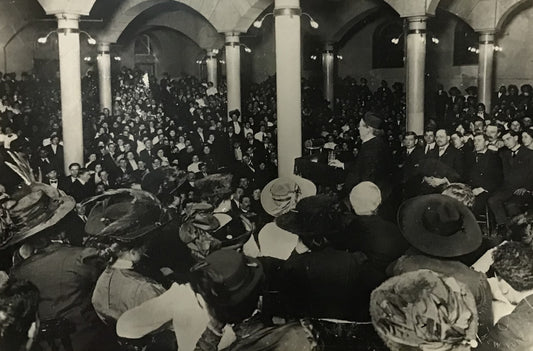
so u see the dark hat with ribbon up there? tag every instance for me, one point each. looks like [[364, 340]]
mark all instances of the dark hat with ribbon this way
[[123, 215], [32, 208], [439, 225], [215, 185], [373, 120], [204, 231], [235, 276], [313, 215]]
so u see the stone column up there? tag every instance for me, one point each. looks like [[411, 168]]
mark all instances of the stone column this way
[[69, 69], [328, 62], [104, 76], [415, 73], [485, 70], [288, 83], [233, 71], [212, 68]]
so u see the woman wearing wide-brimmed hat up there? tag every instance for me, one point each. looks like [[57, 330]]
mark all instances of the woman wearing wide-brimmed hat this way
[[318, 280], [440, 230], [120, 224], [31, 223], [277, 198]]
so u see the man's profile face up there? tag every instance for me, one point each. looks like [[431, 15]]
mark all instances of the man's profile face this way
[[457, 141]]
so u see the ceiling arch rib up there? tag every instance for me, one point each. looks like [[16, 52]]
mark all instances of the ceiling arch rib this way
[[483, 15], [511, 10], [193, 27], [347, 17]]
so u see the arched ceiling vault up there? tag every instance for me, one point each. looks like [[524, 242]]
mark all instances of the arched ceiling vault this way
[[193, 27], [483, 15], [335, 16], [222, 15]]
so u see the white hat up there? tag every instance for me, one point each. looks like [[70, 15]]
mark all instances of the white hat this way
[[281, 194], [365, 198]]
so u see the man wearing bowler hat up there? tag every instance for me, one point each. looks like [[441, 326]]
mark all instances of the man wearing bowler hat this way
[[374, 160]]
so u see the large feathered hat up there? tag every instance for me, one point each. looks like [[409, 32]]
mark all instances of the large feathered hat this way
[[32, 208], [424, 310], [123, 215]]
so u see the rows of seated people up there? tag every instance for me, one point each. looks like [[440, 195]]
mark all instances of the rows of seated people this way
[[322, 274], [316, 242]]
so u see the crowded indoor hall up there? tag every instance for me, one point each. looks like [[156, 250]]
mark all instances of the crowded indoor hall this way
[[317, 175]]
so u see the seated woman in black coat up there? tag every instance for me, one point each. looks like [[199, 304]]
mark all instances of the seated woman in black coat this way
[[319, 281]]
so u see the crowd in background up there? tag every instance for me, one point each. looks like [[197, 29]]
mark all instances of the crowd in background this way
[[177, 206]]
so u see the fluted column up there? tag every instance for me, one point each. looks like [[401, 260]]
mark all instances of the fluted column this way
[[415, 72], [104, 75], [212, 67], [328, 69], [233, 71], [70, 80], [288, 83], [486, 67]]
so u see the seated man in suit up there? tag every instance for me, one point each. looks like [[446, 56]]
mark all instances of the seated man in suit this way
[[67, 183], [513, 194], [409, 160], [493, 133], [84, 187], [429, 141], [44, 164], [448, 157], [484, 174], [55, 151]]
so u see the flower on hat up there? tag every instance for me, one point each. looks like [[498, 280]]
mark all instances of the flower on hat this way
[[426, 310]]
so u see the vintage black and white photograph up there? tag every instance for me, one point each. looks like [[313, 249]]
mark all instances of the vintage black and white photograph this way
[[266, 175]]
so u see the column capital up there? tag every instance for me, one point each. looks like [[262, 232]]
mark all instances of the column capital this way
[[286, 4], [68, 21], [417, 24], [329, 47], [104, 48], [486, 37], [211, 53], [232, 38], [415, 19]]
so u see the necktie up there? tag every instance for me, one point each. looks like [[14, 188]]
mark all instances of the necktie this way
[[514, 153], [53, 182]]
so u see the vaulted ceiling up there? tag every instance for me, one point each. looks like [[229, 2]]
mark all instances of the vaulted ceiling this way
[[204, 21]]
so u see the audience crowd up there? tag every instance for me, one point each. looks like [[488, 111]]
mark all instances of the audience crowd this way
[[176, 232]]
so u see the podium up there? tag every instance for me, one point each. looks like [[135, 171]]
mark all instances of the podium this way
[[315, 168]]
